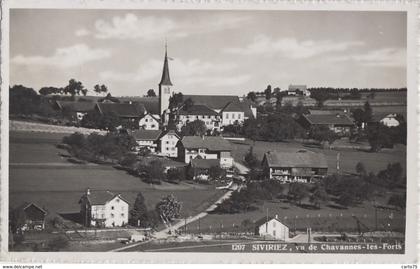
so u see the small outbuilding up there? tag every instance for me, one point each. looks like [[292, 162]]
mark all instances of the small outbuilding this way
[[272, 228]]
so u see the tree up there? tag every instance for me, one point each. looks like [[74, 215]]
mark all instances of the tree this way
[[100, 89], [358, 116], [298, 191], [176, 100], [252, 96], [74, 87], [216, 172], [322, 134], [318, 195], [151, 93], [392, 176], [378, 137], [23, 100], [50, 90], [138, 215], [267, 92], [398, 200], [155, 171], [175, 174], [168, 208], [360, 169], [196, 127], [251, 159], [367, 112]]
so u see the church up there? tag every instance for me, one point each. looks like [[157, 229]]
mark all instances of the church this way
[[216, 111]]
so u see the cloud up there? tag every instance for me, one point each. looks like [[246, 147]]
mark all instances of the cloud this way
[[183, 73], [149, 28], [292, 48], [132, 27], [64, 57], [385, 57], [82, 32]]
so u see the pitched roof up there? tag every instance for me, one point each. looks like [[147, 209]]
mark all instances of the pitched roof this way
[[198, 110], [325, 112], [146, 134], [215, 143], [76, 106], [233, 107], [170, 132], [204, 163], [297, 87], [212, 101], [26, 205], [336, 119], [263, 220], [165, 80], [298, 159], [122, 110], [101, 197], [152, 116]]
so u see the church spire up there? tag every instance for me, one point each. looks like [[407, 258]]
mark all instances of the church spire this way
[[165, 80]]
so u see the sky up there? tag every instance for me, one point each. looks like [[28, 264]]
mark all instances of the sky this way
[[213, 52]]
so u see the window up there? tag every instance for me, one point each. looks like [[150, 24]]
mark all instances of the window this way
[[122, 214], [112, 215], [239, 116], [233, 115], [146, 120], [167, 148], [167, 142], [112, 208], [274, 224], [153, 126], [227, 115]]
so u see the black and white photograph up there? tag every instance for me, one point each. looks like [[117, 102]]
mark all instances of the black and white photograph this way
[[209, 131]]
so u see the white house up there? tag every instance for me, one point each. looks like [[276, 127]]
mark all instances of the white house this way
[[168, 144], [390, 120], [199, 112], [149, 122], [146, 139], [232, 113], [272, 228], [103, 209]]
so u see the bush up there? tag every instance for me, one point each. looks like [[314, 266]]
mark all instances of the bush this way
[[175, 174], [57, 243], [398, 200]]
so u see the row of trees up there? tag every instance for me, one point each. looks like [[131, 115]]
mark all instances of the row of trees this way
[[166, 211]]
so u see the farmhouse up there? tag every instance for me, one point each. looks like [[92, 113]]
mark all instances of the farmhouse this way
[[389, 120], [299, 166], [33, 216], [130, 114], [149, 122], [272, 227], [298, 90], [233, 113], [338, 123], [206, 147], [75, 110], [103, 209], [168, 144], [147, 139]]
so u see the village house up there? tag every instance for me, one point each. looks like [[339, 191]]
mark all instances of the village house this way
[[233, 113], [149, 122], [206, 147], [33, 216], [168, 144], [387, 119], [298, 90], [199, 112], [74, 110], [272, 228], [103, 209], [146, 139], [299, 166], [130, 114], [338, 123]]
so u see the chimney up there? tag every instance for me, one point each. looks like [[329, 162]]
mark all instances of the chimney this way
[[87, 191], [277, 216]]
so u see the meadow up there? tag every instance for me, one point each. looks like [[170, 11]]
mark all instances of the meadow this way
[[37, 173]]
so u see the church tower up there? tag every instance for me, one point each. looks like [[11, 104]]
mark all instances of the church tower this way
[[165, 85]]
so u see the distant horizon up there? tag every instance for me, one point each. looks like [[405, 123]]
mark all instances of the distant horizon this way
[[124, 49]]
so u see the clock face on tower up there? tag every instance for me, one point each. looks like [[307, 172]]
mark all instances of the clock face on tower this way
[[166, 90]]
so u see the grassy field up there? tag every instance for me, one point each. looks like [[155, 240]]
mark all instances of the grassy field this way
[[38, 174], [373, 161]]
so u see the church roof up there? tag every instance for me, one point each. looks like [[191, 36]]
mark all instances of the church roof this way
[[198, 110], [212, 101], [165, 80]]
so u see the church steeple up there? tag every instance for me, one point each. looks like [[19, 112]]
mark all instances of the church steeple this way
[[165, 80]]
